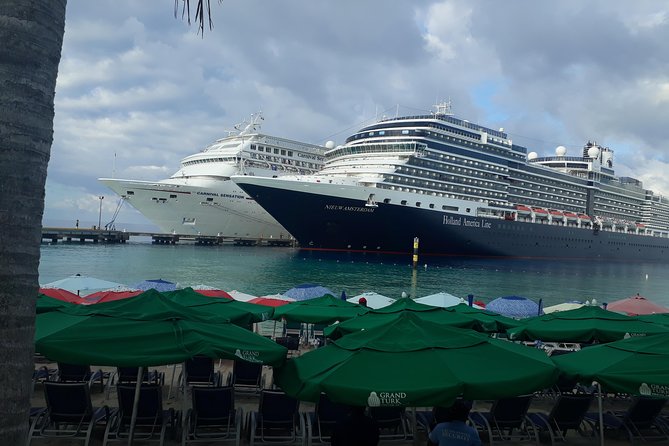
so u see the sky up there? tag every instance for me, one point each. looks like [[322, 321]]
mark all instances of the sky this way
[[139, 89]]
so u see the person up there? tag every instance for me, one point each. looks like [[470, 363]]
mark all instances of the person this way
[[357, 429], [77, 224], [451, 428], [362, 301]]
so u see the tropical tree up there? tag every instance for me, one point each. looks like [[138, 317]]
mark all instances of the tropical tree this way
[[31, 32]]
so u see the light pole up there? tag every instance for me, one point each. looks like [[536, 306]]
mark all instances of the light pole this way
[[101, 197]]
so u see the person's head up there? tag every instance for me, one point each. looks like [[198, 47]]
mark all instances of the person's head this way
[[460, 410], [362, 301]]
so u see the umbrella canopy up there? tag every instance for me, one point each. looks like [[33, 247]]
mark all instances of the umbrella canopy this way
[[388, 314], [111, 295], [240, 313], [60, 294], [321, 310], [156, 284], [211, 291], [47, 303], [514, 306], [656, 318], [82, 285], [636, 305], [584, 324], [563, 307], [269, 301], [307, 291], [440, 300], [374, 300], [411, 362], [147, 306], [242, 297], [109, 341], [636, 366], [488, 321]]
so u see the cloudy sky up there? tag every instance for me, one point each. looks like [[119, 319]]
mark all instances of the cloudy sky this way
[[139, 89]]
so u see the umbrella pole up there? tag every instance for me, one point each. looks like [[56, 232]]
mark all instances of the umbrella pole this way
[[601, 413], [414, 425], [135, 404]]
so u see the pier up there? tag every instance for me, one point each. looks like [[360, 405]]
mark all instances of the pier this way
[[110, 236]]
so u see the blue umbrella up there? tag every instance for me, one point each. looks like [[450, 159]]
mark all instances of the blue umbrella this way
[[514, 306], [307, 291], [156, 284]]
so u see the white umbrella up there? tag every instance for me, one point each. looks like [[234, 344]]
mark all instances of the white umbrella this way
[[563, 307], [79, 283], [242, 297], [440, 300], [374, 300]]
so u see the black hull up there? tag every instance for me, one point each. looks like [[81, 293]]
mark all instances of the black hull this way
[[337, 224]]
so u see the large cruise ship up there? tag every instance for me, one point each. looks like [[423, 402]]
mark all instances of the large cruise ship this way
[[463, 189], [200, 200]]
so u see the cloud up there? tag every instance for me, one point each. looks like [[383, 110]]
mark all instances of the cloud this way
[[138, 89]]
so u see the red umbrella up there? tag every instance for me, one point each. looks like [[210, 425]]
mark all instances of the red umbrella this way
[[61, 294], [110, 295], [636, 305], [213, 293], [268, 301]]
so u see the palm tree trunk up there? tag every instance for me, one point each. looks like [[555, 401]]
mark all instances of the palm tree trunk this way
[[31, 32]]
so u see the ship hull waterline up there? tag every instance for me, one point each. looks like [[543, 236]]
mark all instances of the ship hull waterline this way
[[331, 223]]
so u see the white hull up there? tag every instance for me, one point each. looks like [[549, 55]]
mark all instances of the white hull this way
[[200, 199], [211, 207]]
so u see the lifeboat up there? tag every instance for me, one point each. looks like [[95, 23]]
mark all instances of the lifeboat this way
[[540, 212], [523, 210], [584, 217], [572, 216], [556, 214]]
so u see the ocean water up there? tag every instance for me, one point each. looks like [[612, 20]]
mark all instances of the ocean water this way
[[263, 271]]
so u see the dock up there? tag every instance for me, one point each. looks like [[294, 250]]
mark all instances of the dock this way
[[110, 236]]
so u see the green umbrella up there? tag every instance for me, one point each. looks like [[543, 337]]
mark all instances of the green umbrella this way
[[656, 318], [113, 341], [149, 305], [488, 321], [240, 313], [46, 303], [411, 362], [389, 313], [321, 310], [583, 324], [638, 365]]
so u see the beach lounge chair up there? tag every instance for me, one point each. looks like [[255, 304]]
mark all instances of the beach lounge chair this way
[[199, 370], [68, 415], [128, 375], [278, 420], [247, 377], [152, 420], [80, 373], [322, 421], [568, 412], [641, 420], [393, 423], [292, 343], [213, 417], [506, 420]]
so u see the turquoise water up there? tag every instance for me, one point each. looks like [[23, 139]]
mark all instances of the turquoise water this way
[[263, 271]]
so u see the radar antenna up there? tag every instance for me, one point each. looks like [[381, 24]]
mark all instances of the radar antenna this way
[[443, 108]]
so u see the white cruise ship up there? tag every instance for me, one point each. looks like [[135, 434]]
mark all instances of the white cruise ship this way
[[200, 200], [462, 189]]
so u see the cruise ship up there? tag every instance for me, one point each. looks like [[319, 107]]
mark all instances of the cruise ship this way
[[201, 200], [455, 188]]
